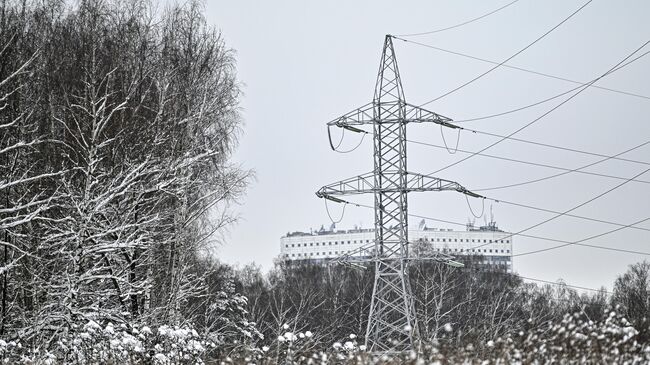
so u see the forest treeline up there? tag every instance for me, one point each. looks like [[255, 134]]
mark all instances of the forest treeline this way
[[118, 120], [463, 313]]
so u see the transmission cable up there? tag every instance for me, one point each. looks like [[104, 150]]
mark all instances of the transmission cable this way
[[543, 114], [518, 109], [509, 58], [565, 284], [541, 281], [579, 241], [459, 24], [472, 210], [336, 149], [528, 71], [442, 134], [535, 236], [330, 215], [568, 215], [514, 138], [560, 214], [329, 136], [547, 145], [566, 170], [523, 234]]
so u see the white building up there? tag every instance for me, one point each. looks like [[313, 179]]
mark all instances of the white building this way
[[492, 244]]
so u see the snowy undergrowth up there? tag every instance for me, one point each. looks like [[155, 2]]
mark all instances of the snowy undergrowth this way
[[110, 344], [573, 340]]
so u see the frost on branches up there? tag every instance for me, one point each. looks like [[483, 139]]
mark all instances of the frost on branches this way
[[94, 344], [117, 124]]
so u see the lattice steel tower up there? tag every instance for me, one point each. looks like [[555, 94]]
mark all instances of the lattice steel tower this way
[[392, 324]]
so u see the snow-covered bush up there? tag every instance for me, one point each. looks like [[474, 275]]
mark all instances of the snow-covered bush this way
[[93, 343], [575, 339]]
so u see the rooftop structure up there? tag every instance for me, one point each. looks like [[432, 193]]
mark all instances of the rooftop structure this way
[[488, 241]]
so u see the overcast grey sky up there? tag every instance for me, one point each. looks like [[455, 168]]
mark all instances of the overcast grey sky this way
[[305, 63]]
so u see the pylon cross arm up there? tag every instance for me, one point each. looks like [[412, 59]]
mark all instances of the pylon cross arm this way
[[359, 116], [392, 182], [368, 253], [415, 114], [369, 114]]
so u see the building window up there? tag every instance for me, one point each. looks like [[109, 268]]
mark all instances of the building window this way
[[330, 243], [292, 245], [292, 255], [461, 240], [443, 240], [507, 241], [508, 251], [311, 244], [501, 241], [472, 240], [455, 239], [348, 242], [484, 241], [490, 241], [490, 250], [355, 241]]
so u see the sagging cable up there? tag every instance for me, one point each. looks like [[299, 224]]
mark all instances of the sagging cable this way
[[337, 200], [470, 207], [345, 127], [442, 134], [329, 137]]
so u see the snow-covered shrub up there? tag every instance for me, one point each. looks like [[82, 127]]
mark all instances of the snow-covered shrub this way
[[574, 339], [93, 343]]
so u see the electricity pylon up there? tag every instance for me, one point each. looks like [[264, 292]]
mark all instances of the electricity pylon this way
[[392, 324]]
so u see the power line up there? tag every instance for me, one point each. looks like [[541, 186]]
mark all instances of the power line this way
[[542, 238], [564, 284], [579, 241], [566, 170], [547, 145], [459, 24], [336, 149], [568, 215], [531, 72], [543, 115], [546, 282], [496, 200], [560, 214], [528, 235], [509, 58]]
